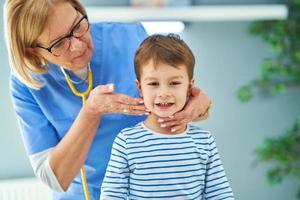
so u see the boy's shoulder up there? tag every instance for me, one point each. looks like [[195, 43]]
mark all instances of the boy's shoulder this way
[[193, 127], [198, 131], [132, 129]]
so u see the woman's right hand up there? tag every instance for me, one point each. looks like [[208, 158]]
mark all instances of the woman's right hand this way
[[103, 100]]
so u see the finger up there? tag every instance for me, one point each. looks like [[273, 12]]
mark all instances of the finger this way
[[173, 123], [103, 89], [176, 117], [137, 107], [195, 91], [166, 119], [169, 123], [204, 117], [122, 98], [177, 128], [181, 115], [129, 110], [125, 108], [135, 112]]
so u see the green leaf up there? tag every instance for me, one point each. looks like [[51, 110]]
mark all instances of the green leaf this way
[[274, 176], [297, 3], [278, 88], [297, 56], [277, 73], [244, 94]]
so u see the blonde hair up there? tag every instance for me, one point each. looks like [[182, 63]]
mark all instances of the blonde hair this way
[[24, 21]]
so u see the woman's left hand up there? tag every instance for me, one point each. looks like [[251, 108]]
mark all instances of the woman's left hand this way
[[197, 108]]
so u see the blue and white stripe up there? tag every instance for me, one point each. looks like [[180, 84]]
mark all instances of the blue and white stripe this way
[[146, 165]]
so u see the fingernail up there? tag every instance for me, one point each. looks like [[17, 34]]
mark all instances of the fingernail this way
[[171, 117], [173, 130], [160, 120], [146, 113], [162, 125], [111, 87], [141, 102], [125, 110]]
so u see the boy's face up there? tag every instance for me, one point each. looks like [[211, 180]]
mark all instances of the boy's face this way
[[164, 88]]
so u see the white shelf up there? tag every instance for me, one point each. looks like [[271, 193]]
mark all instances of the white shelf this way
[[189, 13]]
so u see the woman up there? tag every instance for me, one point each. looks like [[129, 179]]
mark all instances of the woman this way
[[51, 42]]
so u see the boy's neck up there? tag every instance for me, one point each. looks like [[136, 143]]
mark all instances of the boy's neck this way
[[152, 123]]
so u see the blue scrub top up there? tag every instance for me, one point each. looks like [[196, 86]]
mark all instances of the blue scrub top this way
[[45, 115]]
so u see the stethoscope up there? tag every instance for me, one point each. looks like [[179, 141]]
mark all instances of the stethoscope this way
[[83, 96]]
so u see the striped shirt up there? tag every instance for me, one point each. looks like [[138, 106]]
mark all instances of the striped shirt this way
[[149, 165]]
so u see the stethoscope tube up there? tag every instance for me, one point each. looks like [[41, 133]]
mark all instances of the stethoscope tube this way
[[83, 96]]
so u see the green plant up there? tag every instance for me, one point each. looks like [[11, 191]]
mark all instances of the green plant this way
[[277, 75]]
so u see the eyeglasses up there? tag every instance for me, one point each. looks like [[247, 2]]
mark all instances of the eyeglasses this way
[[60, 46]]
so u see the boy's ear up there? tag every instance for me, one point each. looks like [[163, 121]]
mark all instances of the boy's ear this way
[[138, 85], [191, 84]]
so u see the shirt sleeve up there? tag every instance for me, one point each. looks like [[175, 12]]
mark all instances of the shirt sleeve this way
[[216, 183], [42, 170], [37, 132], [115, 184]]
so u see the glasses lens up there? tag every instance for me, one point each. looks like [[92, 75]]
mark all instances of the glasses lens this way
[[78, 31], [61, 47], [81, 28]]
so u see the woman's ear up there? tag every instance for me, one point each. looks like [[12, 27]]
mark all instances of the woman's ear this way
[[191, 84], [33, 51], [138, 85]]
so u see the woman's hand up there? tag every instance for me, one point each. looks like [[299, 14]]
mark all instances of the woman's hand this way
[[197, 108], [103, 100]]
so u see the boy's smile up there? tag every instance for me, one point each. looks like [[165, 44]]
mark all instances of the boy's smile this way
[[164, 105]]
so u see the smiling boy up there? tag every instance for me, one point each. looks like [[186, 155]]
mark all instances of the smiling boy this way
[[149, 161]]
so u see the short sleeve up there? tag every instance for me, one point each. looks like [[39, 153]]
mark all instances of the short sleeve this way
[[116, 181], [216, 183], [37, 132]]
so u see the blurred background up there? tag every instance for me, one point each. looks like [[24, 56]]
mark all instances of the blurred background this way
[[228, 57]]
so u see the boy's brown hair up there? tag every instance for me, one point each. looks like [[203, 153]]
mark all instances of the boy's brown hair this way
[[168, 49]]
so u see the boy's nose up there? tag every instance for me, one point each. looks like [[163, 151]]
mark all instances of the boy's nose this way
[[164, 97], [164, 93]]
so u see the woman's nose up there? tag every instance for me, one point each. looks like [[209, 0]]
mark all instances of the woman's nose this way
[[76, 44]]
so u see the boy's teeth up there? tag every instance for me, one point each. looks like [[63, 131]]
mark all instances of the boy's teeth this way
[[164, 104]]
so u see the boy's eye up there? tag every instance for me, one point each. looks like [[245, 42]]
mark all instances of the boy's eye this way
[[175, 83], [153, 84]]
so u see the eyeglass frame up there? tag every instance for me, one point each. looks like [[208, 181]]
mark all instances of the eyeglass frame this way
[[68, 36]]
